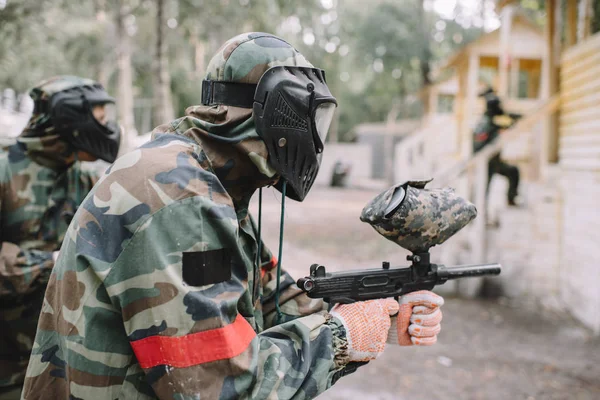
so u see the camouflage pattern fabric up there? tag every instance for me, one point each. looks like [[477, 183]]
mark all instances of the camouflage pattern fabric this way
[[246, 57], [157, 293], [33, 202], [425, 218]]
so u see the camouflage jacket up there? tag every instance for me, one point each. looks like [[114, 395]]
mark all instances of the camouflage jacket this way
[[33, 202], [157, 292]]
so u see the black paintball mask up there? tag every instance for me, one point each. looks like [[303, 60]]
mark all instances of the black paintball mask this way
[[72, 117], [293, 109]]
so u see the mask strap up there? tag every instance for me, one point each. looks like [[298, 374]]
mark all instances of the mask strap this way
[[279, 313], [259, 239], [77, 183], [68, 216]]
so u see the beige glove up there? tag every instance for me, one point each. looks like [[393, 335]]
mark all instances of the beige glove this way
[[418, 321], [503, 121], [367, 324]]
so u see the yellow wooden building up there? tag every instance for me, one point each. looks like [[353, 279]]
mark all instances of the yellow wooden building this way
[[549, 247]]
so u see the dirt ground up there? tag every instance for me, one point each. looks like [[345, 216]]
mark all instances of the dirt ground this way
[[488, 349]]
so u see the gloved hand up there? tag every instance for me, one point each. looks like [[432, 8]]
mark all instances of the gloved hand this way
[[418, 321], [503, 121], [367, 324]]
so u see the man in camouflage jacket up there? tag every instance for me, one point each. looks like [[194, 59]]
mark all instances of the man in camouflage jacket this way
[[157, 292], [41, 184]]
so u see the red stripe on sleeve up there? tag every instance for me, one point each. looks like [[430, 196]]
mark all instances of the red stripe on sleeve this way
[[195, 348], [480, 137], [268, 266], [271, 264]]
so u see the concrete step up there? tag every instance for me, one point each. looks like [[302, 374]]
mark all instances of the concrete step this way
[[526, 240]]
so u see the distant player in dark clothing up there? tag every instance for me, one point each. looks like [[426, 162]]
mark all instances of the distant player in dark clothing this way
[[487, 130]]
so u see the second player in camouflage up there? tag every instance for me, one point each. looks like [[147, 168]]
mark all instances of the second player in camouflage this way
[[41, 185]]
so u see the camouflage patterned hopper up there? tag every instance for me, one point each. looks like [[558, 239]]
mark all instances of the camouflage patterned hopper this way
[[160, 291], [424, 218]]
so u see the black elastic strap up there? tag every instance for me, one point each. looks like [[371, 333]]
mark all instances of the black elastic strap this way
[[228, 93], [350, 368]]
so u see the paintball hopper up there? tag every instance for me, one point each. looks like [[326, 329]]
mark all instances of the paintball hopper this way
[[417, 218]]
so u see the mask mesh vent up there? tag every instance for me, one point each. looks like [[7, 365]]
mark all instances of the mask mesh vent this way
[[285, 117]]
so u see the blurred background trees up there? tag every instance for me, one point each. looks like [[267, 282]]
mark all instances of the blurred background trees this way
[[152, 54]]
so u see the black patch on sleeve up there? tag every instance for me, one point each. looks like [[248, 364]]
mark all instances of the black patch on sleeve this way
[[206, 267]]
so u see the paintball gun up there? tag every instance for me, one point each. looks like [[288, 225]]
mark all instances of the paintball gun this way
[[416, 219]]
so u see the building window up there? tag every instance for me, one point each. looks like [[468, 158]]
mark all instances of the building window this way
[[445, 103], [528, 78]]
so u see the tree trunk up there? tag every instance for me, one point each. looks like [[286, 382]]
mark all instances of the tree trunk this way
[[426, 57], [125, 89], [199, 53], [163, 103], [584, 20], [105, 68]]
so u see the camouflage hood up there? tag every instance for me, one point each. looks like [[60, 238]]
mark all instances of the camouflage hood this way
[[242, 59], [38, 139]]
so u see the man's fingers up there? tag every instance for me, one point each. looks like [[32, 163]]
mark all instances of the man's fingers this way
[[422, 298], [419, 331], [430, 319], [391, 306], [422, 310], [426, 341]]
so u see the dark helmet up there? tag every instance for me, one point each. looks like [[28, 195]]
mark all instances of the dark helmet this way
[[63, 106], [493, 105], [292, 105]]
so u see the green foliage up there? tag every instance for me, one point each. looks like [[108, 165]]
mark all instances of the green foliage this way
[[374, 56], [596, 17], [390, 46]]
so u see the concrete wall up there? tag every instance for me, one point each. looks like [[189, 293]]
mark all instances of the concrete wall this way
[[377, 144], [549, 249], [359, 156], [580, 257]]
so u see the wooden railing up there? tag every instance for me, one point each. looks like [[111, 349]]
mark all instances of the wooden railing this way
[[476, 169], [524, 125], [417, 155]]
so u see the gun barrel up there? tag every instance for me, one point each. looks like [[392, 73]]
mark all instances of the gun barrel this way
[[467, 271]]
